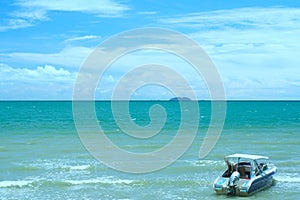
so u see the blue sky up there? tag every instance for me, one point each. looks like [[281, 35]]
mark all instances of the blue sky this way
[[255, 44]]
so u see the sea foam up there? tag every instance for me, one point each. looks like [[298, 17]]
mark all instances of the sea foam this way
[[19, 183], [103, 180]]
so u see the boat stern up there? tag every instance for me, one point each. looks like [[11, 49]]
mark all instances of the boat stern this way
[[221, 185]]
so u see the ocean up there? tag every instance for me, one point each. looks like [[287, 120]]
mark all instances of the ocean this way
[[42, 156]]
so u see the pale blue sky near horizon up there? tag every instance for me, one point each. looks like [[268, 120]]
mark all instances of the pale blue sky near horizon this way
[[254, 44]]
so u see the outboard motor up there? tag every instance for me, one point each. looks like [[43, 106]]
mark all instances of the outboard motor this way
[[235, 176]]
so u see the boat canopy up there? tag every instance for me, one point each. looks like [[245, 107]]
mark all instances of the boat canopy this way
[[246, 156]]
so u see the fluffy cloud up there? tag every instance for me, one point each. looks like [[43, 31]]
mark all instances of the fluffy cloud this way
[[45, 82], [46, 73]]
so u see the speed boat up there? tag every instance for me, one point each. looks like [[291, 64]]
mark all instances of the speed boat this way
[[245, 175]]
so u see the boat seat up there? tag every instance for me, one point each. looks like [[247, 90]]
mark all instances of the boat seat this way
[[244, 172]]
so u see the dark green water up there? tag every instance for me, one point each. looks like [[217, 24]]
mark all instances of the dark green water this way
[[42, 157]]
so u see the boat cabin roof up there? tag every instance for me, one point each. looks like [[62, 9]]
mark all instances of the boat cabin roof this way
[[246, 156]]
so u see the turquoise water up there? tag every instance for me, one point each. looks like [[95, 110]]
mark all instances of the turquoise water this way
[[42, 157]]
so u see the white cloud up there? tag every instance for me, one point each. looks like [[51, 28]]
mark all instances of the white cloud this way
[[80, 38], [245, 30], [255, 49], [33, 15], [45, 82], [241, 18], [15, 24], [23, 18], [123, 66], [46, 73], [32, 11], [69, 56], [108, 8]]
